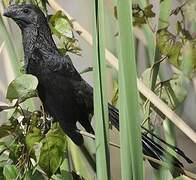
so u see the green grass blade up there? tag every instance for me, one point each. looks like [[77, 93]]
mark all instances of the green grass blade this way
[[100, 100], [9, 46], [149, 36], [130, 133], [79, 162]]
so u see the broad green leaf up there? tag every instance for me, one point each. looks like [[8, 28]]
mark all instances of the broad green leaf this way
[[61, 25], [10, 172], [79, 163], [52, 151], [169, 46], [30, 175], [3, 156], [65, 169], [22, 88], [15, 150], [32, 138]]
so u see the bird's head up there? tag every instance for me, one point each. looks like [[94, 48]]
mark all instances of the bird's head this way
[[25, 15]]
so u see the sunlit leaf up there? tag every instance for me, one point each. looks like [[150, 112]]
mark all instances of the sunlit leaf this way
[[52, 151], [169, 46], [10, 172], [61, 27], [65, 169], [32, 138], [22, 88]]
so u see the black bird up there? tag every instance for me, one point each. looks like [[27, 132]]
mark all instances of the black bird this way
[[63, 92]]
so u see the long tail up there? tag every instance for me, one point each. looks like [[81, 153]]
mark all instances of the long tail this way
[[153, 149]]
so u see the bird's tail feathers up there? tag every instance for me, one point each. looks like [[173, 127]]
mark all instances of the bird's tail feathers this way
[[153, 149]]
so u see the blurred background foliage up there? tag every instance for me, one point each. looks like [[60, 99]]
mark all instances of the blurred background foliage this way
[[34, 147]]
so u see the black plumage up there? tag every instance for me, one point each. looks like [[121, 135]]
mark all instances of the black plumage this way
[[63, 92]]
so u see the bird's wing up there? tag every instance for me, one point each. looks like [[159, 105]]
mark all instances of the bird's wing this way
[[83, 92], [62, 65], [84, 95]]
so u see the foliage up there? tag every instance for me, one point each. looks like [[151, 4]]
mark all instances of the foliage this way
[[61, 28], [32, 146], [22, 88]]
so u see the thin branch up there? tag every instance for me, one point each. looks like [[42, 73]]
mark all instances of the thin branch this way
[[158, 103], [93, 137]]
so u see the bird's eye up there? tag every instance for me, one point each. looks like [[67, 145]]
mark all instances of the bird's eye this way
[[25, 11]]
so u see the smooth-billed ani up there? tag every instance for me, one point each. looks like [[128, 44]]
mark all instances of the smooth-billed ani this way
[[63, 92]]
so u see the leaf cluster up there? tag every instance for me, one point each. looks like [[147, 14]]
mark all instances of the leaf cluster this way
[[140, 15], [31, 144]]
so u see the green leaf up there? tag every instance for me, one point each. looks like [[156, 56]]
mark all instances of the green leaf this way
[[65, 169], [6, 130], [31, 175], [52, 151], [61, 25], [148, 11], [22, 88], [10, 172], [169, 46], [32, 138], [15, 151]]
